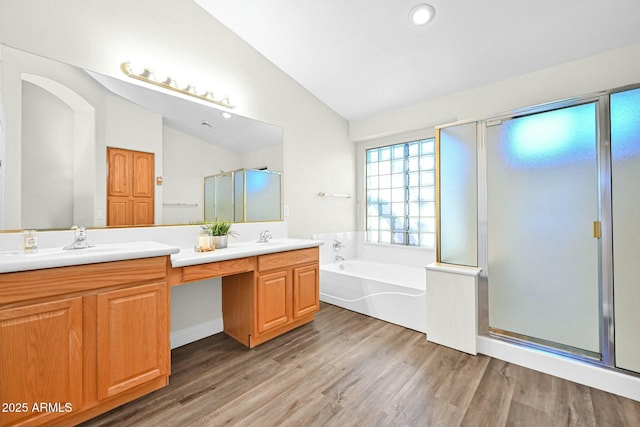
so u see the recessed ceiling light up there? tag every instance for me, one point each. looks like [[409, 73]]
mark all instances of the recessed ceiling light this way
[[226, 115], [421, 14]]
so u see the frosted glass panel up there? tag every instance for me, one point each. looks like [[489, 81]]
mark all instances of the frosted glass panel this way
[[209, 198], [257, 195], [542, 201], [262, 195], [238, 196], [458, 195], [625, 177], [243, 195], [223, 200]]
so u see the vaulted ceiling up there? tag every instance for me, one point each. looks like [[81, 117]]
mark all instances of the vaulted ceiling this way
[[364, 57]]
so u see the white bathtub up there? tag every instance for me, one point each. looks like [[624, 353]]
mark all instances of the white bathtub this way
[[391, 292]]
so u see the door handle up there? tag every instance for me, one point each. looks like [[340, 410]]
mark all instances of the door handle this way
[[597, 229]]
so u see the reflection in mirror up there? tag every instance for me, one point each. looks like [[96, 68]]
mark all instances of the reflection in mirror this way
[[58, 121], [261, 191], [243, 195], [218, 197]]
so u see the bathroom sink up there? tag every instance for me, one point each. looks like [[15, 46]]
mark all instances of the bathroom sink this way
[[282, 242], [188, 256], [58, 257], [59, 252]]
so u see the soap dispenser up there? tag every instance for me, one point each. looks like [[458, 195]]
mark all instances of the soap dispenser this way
[[29, 241]]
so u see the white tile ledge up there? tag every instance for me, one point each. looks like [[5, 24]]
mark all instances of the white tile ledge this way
[[13, 261], [452, 268], [188, 256]]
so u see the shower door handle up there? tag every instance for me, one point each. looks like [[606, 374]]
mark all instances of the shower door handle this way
[[597, 229]]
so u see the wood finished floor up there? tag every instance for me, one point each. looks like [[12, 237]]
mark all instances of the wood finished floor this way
[[346, 369]]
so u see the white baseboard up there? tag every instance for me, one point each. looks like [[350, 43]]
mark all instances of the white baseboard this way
[[593, 376], [196, 332]]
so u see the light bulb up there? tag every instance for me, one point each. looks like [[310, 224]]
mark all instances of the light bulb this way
[[421, 14]]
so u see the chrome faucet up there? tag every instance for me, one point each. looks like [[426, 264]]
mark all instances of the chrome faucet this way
[[339, 258], [337, 245], [79, 238], [265, 236]]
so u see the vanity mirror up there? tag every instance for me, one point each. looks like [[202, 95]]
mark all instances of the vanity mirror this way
[[74, 146]]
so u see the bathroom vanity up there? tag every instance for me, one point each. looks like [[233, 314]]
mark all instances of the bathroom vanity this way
[[267, 289], [80, 336]]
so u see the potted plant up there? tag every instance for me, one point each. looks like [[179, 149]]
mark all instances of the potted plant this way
[[219, 232]]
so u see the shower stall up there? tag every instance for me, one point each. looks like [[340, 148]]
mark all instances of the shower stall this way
[[545, 201], [243, 195]]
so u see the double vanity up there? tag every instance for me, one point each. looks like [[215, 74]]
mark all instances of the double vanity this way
[[84, 331]]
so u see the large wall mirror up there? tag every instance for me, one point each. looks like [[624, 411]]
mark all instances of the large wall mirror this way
[[77, 147]]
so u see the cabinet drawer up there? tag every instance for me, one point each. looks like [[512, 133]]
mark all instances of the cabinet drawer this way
[[25, 285], [218, 269], [287, 259]]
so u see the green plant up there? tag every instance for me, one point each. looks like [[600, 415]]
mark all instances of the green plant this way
[[217, 228]]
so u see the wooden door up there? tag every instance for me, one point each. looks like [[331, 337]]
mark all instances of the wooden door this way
[[40, 361], [133, 337], [306, 290], [273, 300], [130, 192]]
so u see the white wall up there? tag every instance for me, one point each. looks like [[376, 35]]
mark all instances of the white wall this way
[[599, 72], [15, 65], [191, 160], [131, 127], [47, 159], [181, 38], [270, 156]]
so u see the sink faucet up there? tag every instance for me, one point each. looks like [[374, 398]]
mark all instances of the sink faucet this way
[[265, 236], [79, 238]]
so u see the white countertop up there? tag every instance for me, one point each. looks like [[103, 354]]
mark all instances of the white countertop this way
[[12, 261], [240, 250], [454, 268]]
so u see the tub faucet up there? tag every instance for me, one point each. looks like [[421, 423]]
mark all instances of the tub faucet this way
[[339, 258], [265, 236], [337, 245], [79, 239]]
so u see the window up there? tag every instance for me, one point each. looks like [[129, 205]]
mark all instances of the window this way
[[401, 194]]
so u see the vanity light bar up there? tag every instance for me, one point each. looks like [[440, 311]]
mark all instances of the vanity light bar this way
[[148, 76]]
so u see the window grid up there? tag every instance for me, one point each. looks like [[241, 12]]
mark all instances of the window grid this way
[[400, 191]]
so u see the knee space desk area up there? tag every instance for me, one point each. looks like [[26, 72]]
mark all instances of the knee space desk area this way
[[267, 288], [87, 331]]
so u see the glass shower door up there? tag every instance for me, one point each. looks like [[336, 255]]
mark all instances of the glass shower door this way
[[625, 177], [542, 201]]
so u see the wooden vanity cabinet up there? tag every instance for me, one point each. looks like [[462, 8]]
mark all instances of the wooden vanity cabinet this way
[[78, 341], [282, 294], [130, 348], [273, 301], [41, 352]]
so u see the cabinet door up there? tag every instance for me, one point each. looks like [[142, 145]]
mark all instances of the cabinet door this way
[[118, 211], [143, 174], [273, 300], [40, 361], [142, 212], [133, 337], [306, 290], [119, 172]]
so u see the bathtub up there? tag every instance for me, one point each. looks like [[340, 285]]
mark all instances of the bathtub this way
[[390, 292]]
